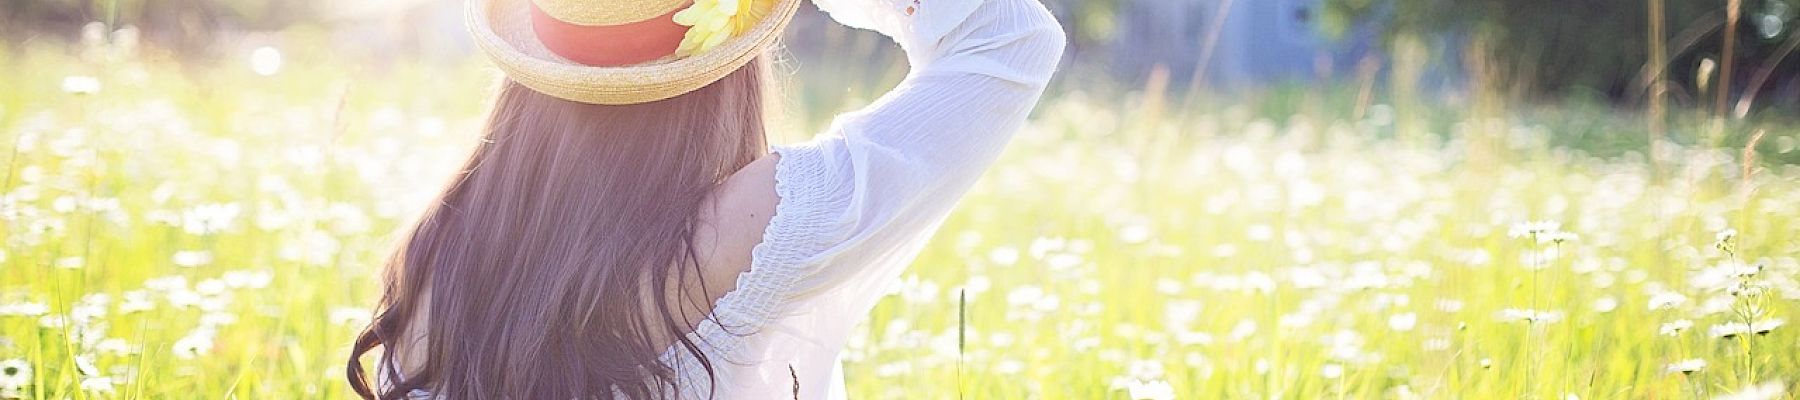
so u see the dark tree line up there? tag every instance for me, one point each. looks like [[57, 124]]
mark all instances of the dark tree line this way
[[1603, 45]]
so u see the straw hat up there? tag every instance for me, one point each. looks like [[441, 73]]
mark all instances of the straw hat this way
[[623, 51]]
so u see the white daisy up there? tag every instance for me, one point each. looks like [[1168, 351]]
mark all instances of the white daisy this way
[[1687, 366], [1605, 305], [26, 309], [1763, 327], [97, 384], [15, 373], [1666, 300], [195, 344], [80, 85], [1533, 228], [1403, 322], [1725, 235], [1729, 330], [1557, 237], [84, 364], [192, 258], [1676, 327], [1151, 390]]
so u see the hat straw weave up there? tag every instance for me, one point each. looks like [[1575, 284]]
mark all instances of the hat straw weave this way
[[502, 29], [612, 12]]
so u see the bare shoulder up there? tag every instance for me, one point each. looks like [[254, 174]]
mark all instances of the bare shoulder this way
[[731, 223]]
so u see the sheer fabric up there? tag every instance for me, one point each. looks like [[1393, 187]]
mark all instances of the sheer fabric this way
[[859, 201]]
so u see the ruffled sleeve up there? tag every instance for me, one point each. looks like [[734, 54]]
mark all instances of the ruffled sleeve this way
[[867, 193], [859, 201]]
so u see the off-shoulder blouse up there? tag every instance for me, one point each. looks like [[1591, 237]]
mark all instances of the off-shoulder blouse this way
[[858, 202]]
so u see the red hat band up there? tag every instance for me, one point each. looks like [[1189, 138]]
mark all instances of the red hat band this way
[[609, 45]]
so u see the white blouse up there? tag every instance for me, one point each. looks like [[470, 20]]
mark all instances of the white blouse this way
[[858, 202]]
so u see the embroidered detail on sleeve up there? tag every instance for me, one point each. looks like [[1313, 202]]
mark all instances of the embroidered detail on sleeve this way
[[905, 8]]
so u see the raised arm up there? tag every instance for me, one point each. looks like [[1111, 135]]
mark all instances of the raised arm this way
[[882, 178], [851, 208], [978, 67]]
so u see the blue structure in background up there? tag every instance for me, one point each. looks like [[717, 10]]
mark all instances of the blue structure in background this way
[[1260, 42]]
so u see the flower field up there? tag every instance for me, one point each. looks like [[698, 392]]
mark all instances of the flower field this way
[[216, 232]]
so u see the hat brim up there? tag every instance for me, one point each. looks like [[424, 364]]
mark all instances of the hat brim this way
[[502, 30]]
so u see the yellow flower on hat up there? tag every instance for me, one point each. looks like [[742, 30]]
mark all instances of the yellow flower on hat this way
[[711, 22]]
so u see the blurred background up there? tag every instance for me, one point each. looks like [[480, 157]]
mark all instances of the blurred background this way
[[1603, 51], [1216, 198], [1641, 56], [1412, 53]]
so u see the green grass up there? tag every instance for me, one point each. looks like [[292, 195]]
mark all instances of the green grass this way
[[1270, 247]]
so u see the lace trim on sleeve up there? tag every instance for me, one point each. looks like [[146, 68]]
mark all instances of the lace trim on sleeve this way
[[801, 229]]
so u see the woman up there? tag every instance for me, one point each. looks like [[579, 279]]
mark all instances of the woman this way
[[623, 231]]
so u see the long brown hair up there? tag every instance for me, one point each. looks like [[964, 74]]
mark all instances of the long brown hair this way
[[545, 267]]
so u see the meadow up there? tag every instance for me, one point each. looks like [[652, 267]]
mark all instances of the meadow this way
[[217, 231]]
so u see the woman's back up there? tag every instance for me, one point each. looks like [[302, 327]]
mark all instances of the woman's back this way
[[730, 225], [792, 250]]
